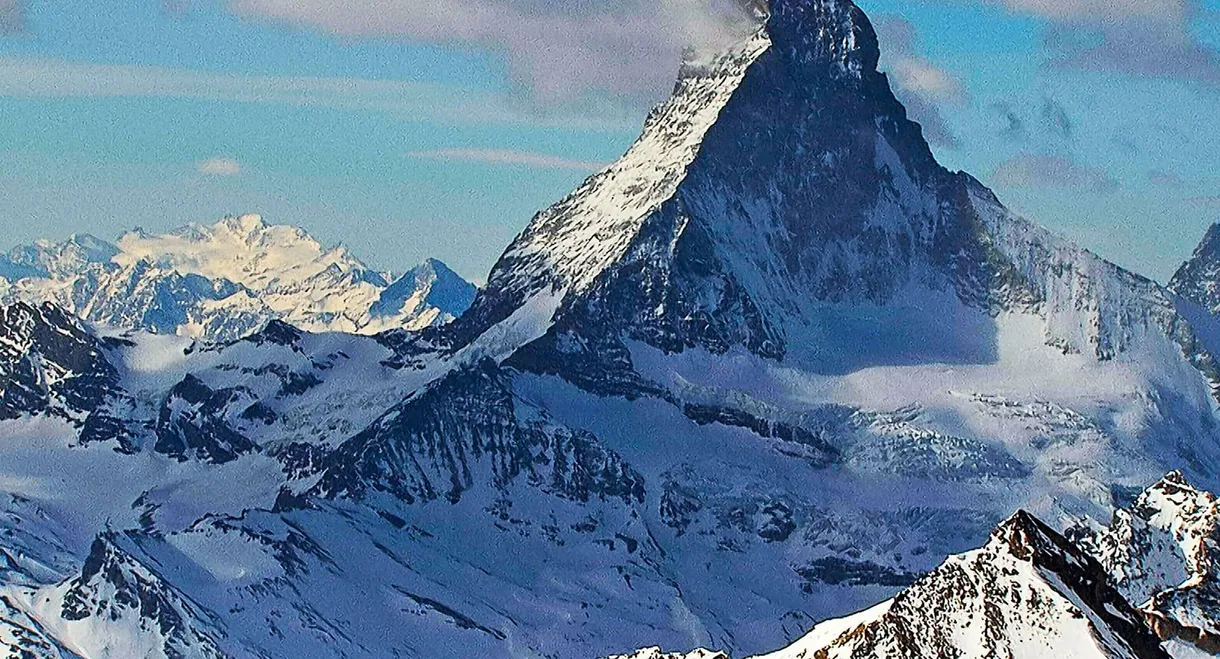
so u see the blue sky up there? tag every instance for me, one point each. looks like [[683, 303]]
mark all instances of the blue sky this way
[[406, 137]]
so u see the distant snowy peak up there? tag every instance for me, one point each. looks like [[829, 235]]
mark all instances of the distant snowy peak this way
[[429, 291], [221, 281], [246, 251], [1198, 279], [47, 258], [1029, 593]]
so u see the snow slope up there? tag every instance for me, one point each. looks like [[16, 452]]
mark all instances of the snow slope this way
[[1028, 593]]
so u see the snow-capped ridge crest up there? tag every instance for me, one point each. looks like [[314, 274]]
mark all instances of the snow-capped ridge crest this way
[[219, 282], [115, 588], [1028, 593], [1163, 554], [1025, 537]]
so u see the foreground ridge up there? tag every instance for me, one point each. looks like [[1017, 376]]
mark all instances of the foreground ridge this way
[[1028, 593]]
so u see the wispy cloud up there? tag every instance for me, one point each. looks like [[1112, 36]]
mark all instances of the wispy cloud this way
[[558, 47], [219, 166], [1056, 119], [1099, 9], [1051, 171], [920, 84], [1151, 38], [506, 157], [51, 78], [12, 16], [1013, 126], [1165, 179], [1208, 202]]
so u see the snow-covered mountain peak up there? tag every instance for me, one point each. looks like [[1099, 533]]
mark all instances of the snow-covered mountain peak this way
[[567, 246], [1028, 539], [242, 249], [1163, 554], [749, 128], [48, 258], [783, 185], [221, 281], [1028, 593], [248, 223]]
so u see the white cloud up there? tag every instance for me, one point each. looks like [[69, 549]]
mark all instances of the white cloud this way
[[219, 166], [11, 13], [1152, 38], [1209, 202], [504, 157], [561, 48], [444, 104], [1102, 9], [1052, 171], [928, 80], [922, 86]]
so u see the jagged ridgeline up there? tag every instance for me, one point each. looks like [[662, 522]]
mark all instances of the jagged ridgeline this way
[[773, 367], [223, 281]]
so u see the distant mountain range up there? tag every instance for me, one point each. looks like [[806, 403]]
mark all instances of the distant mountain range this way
[[223, 281]]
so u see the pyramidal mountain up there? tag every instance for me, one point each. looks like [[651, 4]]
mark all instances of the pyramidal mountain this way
[[223, 281], [777, 201], [772, 368]]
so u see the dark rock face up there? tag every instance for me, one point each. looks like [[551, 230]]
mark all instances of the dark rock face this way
[[432, 445], [51, 365], [810, 437], [839, 571], [113, 586], [276, 332], [1198, 279], [193, 422]]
